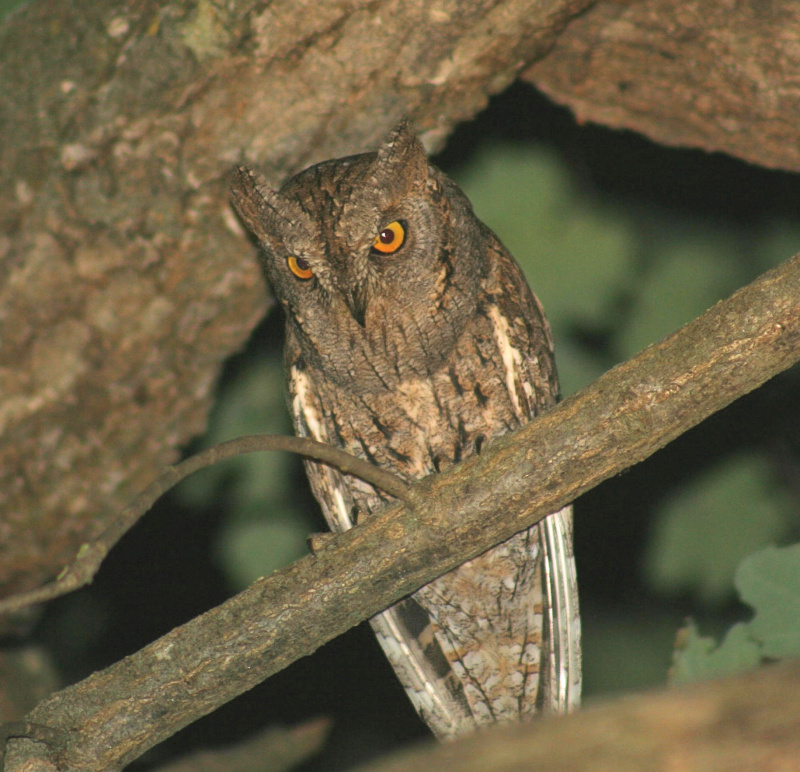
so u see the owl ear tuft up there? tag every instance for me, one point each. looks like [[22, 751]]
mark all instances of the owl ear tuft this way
[[401, 163], [257, 203]]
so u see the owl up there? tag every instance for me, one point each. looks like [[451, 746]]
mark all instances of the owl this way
[[412, 340]]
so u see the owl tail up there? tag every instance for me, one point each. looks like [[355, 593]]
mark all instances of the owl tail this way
[[405, 635], [562, 683], [427, 662]]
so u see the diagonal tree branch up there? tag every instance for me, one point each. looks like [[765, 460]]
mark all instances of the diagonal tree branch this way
[[623, 417]]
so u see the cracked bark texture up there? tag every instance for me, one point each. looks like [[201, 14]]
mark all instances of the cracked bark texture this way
[[125, 280], [718, 76]]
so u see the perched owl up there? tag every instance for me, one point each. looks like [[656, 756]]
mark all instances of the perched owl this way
[[412, 339]]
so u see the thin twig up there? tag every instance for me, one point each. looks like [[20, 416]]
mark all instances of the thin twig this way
[[91, 554]]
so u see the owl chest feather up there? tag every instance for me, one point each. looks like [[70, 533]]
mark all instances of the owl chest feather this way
[[487, 616], [496, 376], [423, 424]]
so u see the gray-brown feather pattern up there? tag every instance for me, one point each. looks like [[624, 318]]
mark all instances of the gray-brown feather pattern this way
[[452, 349]]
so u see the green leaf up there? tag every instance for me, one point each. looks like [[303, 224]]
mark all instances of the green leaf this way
[[703, 531], [769, 582], [698, 657]]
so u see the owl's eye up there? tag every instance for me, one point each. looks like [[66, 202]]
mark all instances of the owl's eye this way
[[391, 238], [300, 267]]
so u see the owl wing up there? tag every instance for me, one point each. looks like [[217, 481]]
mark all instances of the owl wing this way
[[523, 360], [403, 630], [562, 630], [523, 336], [508, 621]]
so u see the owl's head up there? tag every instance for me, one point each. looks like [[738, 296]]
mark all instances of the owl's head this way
[[377, 260]]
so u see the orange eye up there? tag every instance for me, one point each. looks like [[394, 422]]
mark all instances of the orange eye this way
[[300, 267], [390, 239]]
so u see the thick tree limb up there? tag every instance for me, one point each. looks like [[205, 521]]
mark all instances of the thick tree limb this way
[[717, 76], [742, 724], [277, 749], [124, 278], [626, 415]]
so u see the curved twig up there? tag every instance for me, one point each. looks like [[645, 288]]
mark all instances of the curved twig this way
[[91, 554]]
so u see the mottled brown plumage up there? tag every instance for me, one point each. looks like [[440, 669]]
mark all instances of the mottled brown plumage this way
[[412, 339]]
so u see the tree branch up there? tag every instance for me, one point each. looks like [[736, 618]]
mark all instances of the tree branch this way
[[716, 76], [618, 421], [749, 722]]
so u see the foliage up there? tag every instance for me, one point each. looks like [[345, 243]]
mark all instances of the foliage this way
[[769, 582], [699, 657], [712, 522]]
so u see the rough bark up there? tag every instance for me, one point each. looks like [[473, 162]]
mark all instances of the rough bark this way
[[626, 415], [126, 280], [719, 76], [751, 722]]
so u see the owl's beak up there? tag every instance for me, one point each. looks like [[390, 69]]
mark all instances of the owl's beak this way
[[356, 301]]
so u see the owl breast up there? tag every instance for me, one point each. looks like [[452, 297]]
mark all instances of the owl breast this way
[[496, 374]]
